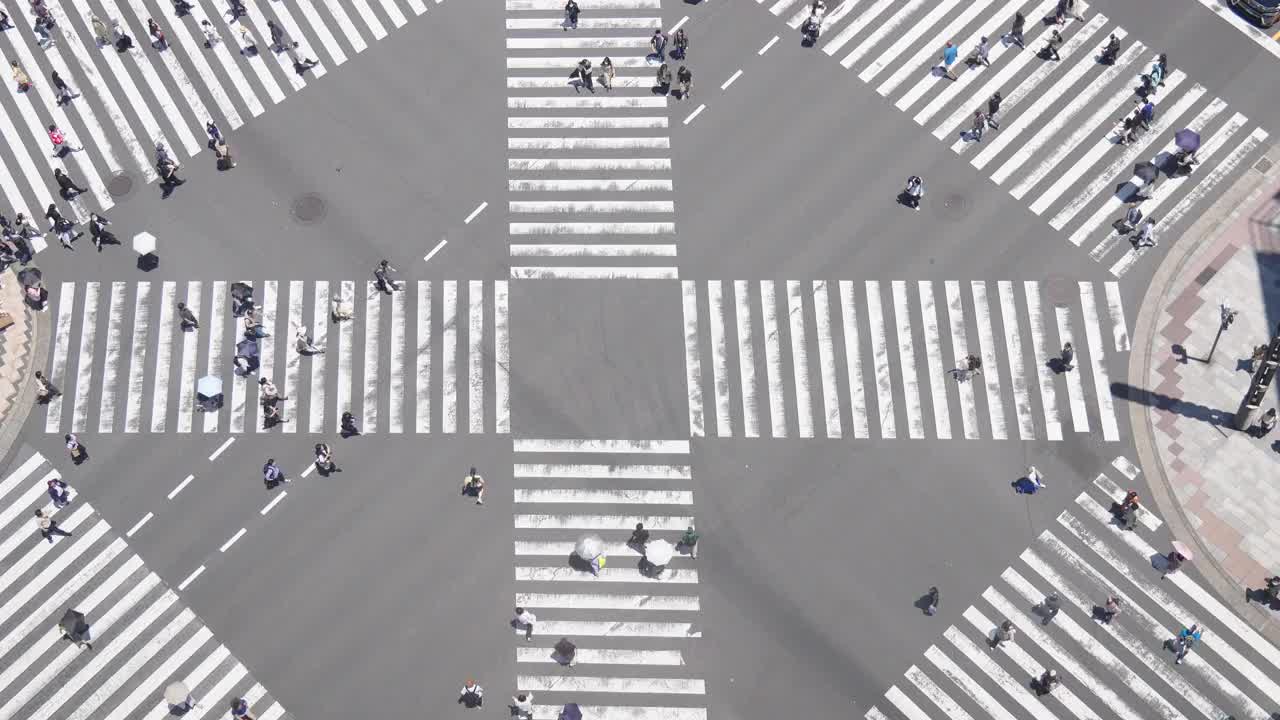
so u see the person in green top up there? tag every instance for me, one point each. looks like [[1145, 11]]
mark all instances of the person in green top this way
[[690, 540]]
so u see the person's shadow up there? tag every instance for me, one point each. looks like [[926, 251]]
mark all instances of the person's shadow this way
[[923, 603]]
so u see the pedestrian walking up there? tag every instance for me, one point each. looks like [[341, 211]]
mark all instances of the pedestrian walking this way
[[522, 706], [187, 319], [101, 34], [42, 26], [78, 632], [222, 155], [931, 601], [1047, 681], [67, 187], [993, 107], [1030, 483], [525, 619], [1187, 640], [472, 695], [271, 415], [253, 327], [689, 541], [1049, 608], [1050, 51], [659, 44], [1172, 563], [680, 44], [211, 36], [1109, 609], [1131, 220], [182, 7], [304, 343], [240, 709], [979, 125], [980, 54], [1014, 35], [20, 76], [564, 651], [99, 233], [214, 132], [1266, 424], [267, 390], [272, 475], [1146, 236], [324, 459], [639, 538], [473, 485], [583, 73], [1002, 634], [1270, 593], [949, 53], [236, 10], [61, 141], [49, 527], [169, 176], [570, 16], [157, 35], [45, 390], [277, 36], [248, 46], [607, 73], [59, 493], [1067, 355], [348, 425], [122, 39], [663, 79], [64, 91], [685, 78], [969, 366], [4, 21], [382, 276]]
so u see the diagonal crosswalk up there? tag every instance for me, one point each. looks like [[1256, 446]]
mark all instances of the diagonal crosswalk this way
[[125, 364], [1057, 146], [589, 189], [128, 101], [1122, 668], [633, 633], [143, 638], [898, 344]]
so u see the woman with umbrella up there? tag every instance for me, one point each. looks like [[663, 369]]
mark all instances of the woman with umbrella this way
[[590, 549], [656, 556], [75, 628], [242, 298], [1188, 142], [246, 360], [209, 393], [1173, 561]]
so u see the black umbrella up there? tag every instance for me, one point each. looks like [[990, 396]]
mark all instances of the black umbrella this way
[[247, 348], [29, 276], [72, 622], [241, 291], [571, 712], [1147, 171]]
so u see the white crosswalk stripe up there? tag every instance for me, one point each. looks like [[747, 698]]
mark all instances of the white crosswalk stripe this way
[[115, 346], [1055, 141], [635, 633], [142, 636], [126, 102], [1123, 666], [898, 360]]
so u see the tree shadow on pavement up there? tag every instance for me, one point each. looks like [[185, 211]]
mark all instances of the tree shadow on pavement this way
[[1150, 398]]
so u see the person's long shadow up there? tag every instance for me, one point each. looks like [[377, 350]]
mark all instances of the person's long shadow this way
[[1195, 411]]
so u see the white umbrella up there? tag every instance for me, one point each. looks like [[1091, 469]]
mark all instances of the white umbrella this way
[[144, 243], [659, 552], [209, 386], [589, 547], [176, 694]]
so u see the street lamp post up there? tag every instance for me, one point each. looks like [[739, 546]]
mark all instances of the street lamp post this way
[[1263, 374], [1227, 317]]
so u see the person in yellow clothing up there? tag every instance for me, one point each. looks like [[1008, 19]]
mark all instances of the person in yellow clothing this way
[[20, 76]]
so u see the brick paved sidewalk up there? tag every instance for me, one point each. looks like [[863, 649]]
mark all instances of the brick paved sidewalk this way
[[23, 346], [1220, 485]]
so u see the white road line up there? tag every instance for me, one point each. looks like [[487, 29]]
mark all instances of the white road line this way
[[933, 356], [1126, 468], [164, 354], [395, 398], [422, 363], [475, 357], [827, 359], [719, 360], [322, 311], [1097, 357], [907, 360], [905, 705], [371, 365], [393, 12], [195, 679], [348, 27], [187, 480], [51, 570], [599, 522], [556, 5], [632, 575], [875, 714], [229, 65], [191, 578], [1040, 350], [439, 246], [213, 363], [542, 62], [773, 358], [594, 273], [1059, 120], [628, 447], [584, 656], [19, 476], [226, 443], [770, 44], [594, 122], [960, 348], [600, 23], [1115, 308], [232, 540], [1250, 31], [600, 185], [589, 164], [926, 51], [695, 113], [194, 50], [1017, 370], [567, 42], [692, 357], [853, 28], [624, 471], [260, 27], [190, 350], [274, 501], [1125, 158], [604, 496], [256, 61], [987, 664], [138, 525], [87, 117], [747, 359], [176, 73], [346, 339], [1050, 159], [449, 345], [584, 103], [270, 292], [1075, 386], [331, 45], [560, 144], [800, 359], [883, 30], [11, 192], [61, 348], [141, 333], [479, 209], [590, 684], [936, 695], [976, 693], [990, 361], [501, 360], [735, 76], [293, 362], [84, 364], [602, 601], [129, 705], [880, 358]]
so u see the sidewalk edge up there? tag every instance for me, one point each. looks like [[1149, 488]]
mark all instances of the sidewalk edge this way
[[1242, 196], [37, 357]]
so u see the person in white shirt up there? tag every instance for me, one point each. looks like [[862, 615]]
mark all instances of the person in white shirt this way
[[526, 619], [522, 706]]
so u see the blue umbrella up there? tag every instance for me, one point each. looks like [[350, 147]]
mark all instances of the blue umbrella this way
[[1187, 139], [571, 712]]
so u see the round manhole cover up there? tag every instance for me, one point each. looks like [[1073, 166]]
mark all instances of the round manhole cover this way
[[953, 206], [1060, 290], [120, 185], [309, 208]]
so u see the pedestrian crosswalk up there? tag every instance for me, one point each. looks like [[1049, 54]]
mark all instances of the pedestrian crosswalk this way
[[1057, 145], [900, 343], [634, 632], [125, 364], [589, 189], [129, 100], [142, 637], [1122, 668]]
